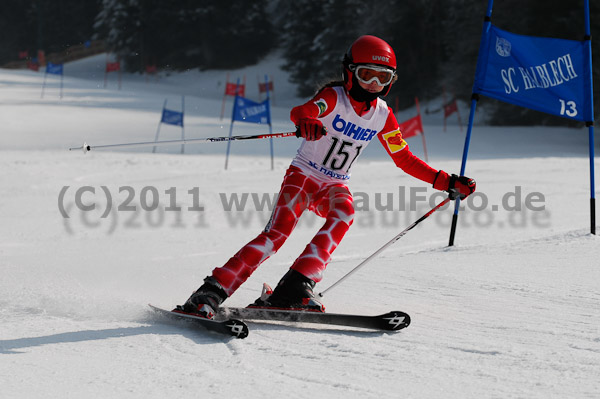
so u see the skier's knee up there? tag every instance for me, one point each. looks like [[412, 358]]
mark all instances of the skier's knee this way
[[344, 211]]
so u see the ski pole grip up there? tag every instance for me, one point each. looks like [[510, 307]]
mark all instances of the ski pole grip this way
[[454, 194], [298, 134]]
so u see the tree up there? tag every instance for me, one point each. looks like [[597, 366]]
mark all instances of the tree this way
[[181, 34], [297, 40], [46, 25], [414, 30]]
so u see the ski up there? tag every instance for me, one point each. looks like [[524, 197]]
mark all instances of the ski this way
[[391, 321], [233, 327]]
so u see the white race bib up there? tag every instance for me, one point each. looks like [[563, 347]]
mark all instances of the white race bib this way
[[348, 134]]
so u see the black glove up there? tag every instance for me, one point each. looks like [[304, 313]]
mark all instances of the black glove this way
[[310, 129]]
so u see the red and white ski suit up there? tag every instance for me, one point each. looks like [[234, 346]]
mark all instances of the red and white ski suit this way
[[316, 180]]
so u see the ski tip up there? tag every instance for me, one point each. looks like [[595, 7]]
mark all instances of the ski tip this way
[[233, 327], [395, 320], [238, 328]]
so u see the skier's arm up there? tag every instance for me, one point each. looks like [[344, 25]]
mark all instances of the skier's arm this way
[[391, 139], [317, 107], [305, 116]]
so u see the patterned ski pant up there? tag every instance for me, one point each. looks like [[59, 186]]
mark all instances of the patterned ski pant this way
[[299, 192]]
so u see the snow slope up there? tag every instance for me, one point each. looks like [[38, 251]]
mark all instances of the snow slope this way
[[512, 310]]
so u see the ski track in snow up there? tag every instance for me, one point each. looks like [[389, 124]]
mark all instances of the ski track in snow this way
[[511, 311]]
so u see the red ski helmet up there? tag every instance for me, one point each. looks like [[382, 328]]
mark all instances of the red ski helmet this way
[[368, 49]]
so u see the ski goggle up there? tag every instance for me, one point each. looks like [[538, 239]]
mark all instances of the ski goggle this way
[[373, 73]]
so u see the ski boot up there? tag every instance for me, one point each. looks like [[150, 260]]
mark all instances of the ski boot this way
[[206, 300], [294, 292]]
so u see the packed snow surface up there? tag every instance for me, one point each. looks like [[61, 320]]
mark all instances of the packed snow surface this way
[[511, 311]]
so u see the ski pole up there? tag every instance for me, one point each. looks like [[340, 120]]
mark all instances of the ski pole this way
[[452, 196], [85, 147]]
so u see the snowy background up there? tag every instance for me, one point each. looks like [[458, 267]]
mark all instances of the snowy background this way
[[512, 310]]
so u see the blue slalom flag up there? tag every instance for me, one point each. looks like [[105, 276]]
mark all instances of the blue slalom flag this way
[[172, 117], [544, 74], [252, 112], [54, 69]]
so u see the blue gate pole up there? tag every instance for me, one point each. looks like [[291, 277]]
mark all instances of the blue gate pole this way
[[474, 98], [270, 126], [237, 85], [463, 166], [592, 183], [159, 123], [182, 122], [590, 123], [61, 84]]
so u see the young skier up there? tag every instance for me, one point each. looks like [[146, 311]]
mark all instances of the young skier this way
[[336, 124]]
